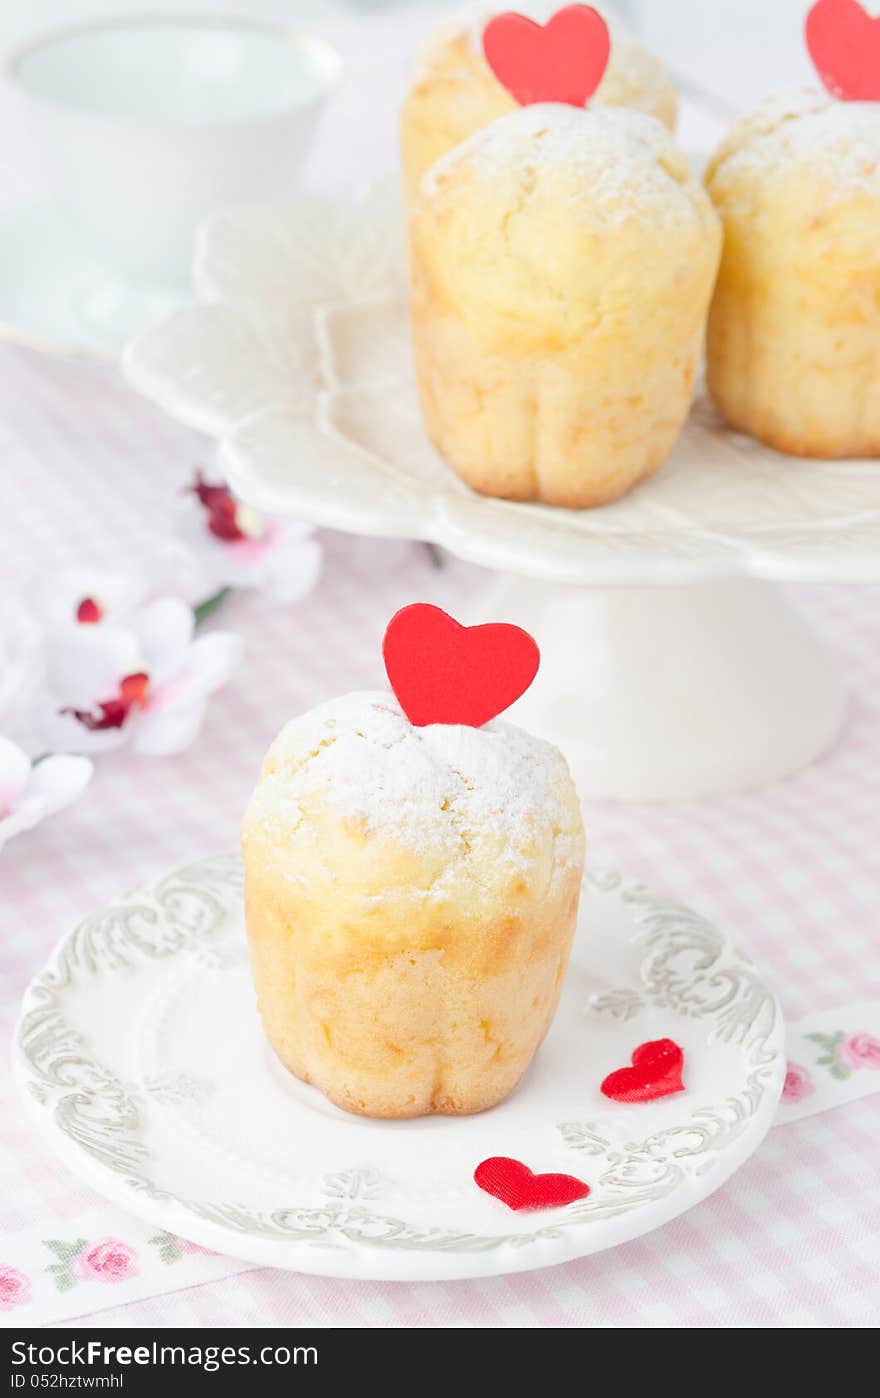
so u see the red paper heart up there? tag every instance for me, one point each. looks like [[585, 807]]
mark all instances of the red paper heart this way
[[561, 61], [443, 672], [844, 44], [655, 1072], [515, 1185]]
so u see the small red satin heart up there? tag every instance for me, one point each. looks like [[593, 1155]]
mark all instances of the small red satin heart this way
[[563, 60], [844, 44], [443, 672], [517, 1187], [655, 1072]]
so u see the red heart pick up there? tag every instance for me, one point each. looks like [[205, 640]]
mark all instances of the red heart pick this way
[[844, 44], [655, 1072], [561, 61], [515, 1185], [443, 672]]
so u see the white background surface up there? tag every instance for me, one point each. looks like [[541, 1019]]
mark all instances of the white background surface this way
[[755, 54]]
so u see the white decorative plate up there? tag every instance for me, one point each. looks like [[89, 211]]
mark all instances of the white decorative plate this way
[[140, 1052], [297, 357]]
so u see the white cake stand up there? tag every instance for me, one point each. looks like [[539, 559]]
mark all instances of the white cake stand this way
[[673, 666]]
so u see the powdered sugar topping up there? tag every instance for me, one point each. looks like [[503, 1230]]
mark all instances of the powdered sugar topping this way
[[621, 162], [420, 787], [805, 130]]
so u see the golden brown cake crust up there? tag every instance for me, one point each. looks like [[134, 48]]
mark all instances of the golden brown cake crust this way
[[794, 330], [411, 896]]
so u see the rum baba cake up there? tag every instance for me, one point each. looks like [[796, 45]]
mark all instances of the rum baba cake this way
[[562, 262], [411, 896], [794, 330]]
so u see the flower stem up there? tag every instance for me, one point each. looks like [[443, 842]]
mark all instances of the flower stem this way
[[210, 605]]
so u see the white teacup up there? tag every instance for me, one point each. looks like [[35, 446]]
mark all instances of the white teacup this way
[[150, 122]]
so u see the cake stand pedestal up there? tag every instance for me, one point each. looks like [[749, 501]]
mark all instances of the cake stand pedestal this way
[[673, 666], [672, 693]]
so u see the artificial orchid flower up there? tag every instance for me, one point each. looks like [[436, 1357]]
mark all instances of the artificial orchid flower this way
[[89, 597], [144, 682], [29, 793], [233, 545]]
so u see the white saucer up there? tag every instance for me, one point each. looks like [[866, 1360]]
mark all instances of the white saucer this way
[[56, 296], [140, 1053]]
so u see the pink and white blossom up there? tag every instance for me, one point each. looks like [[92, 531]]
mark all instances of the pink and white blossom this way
[[226, 543], [89, 597], [29, 793], [144, 682]]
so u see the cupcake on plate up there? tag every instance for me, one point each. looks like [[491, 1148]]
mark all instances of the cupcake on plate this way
[[562, 262], [455, 93], [411, 896], [794, 330]]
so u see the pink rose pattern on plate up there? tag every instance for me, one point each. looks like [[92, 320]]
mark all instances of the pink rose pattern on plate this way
[[798, 1084], [15, 1288], [844, 1054]]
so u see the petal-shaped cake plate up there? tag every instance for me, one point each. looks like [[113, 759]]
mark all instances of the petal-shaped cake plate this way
[[297, 359], [140, 1053]]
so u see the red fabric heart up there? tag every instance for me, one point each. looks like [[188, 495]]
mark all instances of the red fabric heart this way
[[443, 672], [517, 1187], [655, 1072], [561, 61], [844, 44]]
